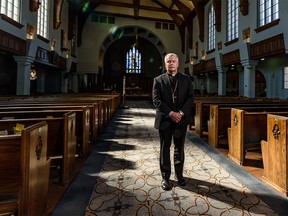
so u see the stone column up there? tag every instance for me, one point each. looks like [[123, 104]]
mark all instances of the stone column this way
[[222, 71], [249, 78], [23, 74]]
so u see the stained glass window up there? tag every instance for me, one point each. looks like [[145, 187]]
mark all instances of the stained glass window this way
[[133, 61]]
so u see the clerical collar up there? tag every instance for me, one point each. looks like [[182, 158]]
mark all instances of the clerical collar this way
[[171, 74]]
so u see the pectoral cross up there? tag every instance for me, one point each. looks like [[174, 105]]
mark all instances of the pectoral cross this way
[[174, 98]]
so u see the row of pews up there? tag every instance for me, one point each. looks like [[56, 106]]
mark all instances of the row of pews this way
[[247, 125], [55, 130]]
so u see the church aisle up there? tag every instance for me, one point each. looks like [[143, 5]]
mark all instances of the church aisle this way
[[122, 177]]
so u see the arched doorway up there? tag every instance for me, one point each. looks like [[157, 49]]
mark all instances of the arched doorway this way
[[260, 84]]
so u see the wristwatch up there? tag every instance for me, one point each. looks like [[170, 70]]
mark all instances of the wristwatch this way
[[181, 113]]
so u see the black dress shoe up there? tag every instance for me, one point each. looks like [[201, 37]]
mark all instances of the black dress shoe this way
[[165, 184], [181, 181]]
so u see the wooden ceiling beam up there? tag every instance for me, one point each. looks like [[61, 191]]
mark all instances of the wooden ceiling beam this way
[[136, 8], [218, 14], [199, 7], [140, 7]]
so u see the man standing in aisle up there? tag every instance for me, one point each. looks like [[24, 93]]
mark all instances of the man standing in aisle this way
[[173, 96]]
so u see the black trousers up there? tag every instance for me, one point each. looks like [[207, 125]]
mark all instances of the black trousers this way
[[178, 135]]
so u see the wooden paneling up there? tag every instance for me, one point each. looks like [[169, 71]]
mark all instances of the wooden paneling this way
[[42, 55], [210, 65], [231, 58], [12, 44], [269, 47], [199, 68], [51, 57]]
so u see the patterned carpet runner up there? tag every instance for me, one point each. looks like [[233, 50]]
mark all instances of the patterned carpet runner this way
[[129, 180]]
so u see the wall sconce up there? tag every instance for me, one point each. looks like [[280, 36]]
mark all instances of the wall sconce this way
[[191, 60], [33, 74], [195, 51], [246, 35], [53, 44], [67, 53], [30, 32], [203, 54]]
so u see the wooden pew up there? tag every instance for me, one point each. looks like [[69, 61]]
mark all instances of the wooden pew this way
[[82, 126], [219, 119], [24, 168], [96, 115], [246, 132], [55, 106], [275, 153], [102, 106], [110, 102], [202, 110], [61, 140]]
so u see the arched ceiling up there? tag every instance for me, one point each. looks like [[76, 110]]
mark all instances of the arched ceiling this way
[[180, 12]]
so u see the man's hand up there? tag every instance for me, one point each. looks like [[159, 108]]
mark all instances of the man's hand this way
[[175, 116]]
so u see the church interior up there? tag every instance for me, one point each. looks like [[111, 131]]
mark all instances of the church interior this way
[[77, 114]]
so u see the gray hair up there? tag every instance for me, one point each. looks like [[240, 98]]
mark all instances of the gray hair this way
[[169, 55]]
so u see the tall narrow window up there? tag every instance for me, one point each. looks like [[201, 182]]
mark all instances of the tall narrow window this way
[[133, 61], [42, 21], [211, 28], [285, 78], [11, 8], [268, 11], [232, 19]]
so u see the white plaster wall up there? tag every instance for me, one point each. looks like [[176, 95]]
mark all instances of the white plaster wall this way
[[28, 17], [248, 21], [94, 34], [272, 71]]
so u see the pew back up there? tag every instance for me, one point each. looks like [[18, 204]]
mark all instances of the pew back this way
[[202, 111], [82, 123], [219, 119], [61, 139], [246, 132], [96, 117]]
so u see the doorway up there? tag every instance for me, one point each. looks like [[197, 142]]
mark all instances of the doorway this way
[[260, 84]]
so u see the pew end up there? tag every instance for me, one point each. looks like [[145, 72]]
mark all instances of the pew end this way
[[265, 156], [274, 150], [217, 125], [247, 131], [24, 171], [35, 169]]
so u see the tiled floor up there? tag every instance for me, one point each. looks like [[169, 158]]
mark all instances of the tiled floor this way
[[121, 177]]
